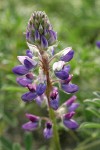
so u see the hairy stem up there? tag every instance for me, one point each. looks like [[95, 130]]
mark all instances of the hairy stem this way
[[56, 143]]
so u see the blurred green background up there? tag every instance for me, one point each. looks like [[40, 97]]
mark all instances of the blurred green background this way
[[77, 23]]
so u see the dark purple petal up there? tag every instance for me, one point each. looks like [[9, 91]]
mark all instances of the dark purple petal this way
[[23, 81], [29, 53], [29, 63], [29, 96], [70, 101], [30, 126], [73, 107], [40, 89], [32, 118], [32, 87], [48, 131], [61, 74], [20, 70], [64, 73], [67, 80], [48, 125], [30, 76], [69, 88], [98, 44], [37, 36], [69, 115], [67, 57], [71, 124], [54, 99], [44, 42]]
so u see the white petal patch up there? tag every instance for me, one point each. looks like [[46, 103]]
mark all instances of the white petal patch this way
[[66, 50], [21, 59], [58, 65]]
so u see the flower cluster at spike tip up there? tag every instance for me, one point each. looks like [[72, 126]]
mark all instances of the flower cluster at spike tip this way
[[41, 40]]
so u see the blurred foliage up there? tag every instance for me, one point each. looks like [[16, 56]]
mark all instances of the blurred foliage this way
[[78, 25]]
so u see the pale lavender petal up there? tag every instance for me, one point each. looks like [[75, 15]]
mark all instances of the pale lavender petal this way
[[71, 100], [71, 124], [39, 100], [73, 107], [30, 126], [54, 103], [48, 131], [20, 70], [29, 96], [21, 59]]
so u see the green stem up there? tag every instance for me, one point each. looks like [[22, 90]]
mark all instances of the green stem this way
[[56, 142]]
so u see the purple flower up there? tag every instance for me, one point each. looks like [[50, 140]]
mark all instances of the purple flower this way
[[53, 37], [98, 44], [39, 99], [64, 73], [20, 70], [69, 88], [44, 42], [23, 81], [61, 71], [37, 36], [68, 122], [29, 64], [30, 76], [67, 54], [71, 106], [66, 81], [32, 124], [70, 101], [40, 89], [29, 53], [48, 131], [29, 96], [54, 99]]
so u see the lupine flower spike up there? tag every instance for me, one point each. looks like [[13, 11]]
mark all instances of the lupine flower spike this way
[[41, 40]]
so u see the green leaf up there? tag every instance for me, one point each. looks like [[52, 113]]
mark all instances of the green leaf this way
[[95, 102], [16, 146], [97, 93], [94, 112], [28, 140], [13, 89], [90, 125], [6, 143]]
